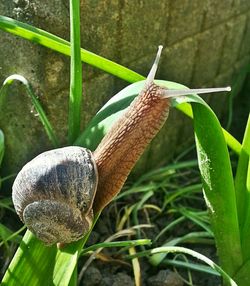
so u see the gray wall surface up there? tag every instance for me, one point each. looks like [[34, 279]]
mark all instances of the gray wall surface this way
[[206, 43]]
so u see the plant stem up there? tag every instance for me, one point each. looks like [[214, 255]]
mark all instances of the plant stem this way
[[75, 98]]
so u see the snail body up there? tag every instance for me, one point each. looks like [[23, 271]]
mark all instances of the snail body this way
[[56, 193]]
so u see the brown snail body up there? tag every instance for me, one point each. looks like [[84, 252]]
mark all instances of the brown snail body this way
[[54, 193], [124, 144]]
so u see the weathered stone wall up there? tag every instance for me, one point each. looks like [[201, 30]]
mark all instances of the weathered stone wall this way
[[206, 44]]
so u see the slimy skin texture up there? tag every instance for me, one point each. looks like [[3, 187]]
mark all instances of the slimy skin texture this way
[[123, 145]]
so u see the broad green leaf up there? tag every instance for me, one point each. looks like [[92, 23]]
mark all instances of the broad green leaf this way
[[32, 264], [218, 184]]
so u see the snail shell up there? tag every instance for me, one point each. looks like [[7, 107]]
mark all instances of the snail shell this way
[[53, 194]]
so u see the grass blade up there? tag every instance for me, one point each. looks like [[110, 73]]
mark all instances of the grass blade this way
[[1, 146], [179, 249], [242, 186], [136, 267], [45, 121], [129, 243], [189, 265], [75, 97], [60, 45], [7, 235]]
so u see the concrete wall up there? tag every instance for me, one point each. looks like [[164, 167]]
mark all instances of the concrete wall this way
[[206, 43]]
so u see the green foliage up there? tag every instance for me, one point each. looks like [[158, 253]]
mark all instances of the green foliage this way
[[218, 186], [75, 95], [175, 249], [1, 146], [45, 121], [227, 199], [62, 46]]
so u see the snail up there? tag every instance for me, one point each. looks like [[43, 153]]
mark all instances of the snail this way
[[57, 193]]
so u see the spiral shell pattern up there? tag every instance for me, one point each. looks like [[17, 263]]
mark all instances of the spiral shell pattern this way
[[53, 194]]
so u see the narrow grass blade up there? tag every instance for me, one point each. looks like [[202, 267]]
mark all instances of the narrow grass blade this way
[[169, 226], [6, 203], [178, 249], [218, 184], [242, 188], [1, 145], [156, 259], [75, 97], [60, 45], [190, 265], [47, 125], [136, 267], [7, 235], [193, 216], [127, 243]]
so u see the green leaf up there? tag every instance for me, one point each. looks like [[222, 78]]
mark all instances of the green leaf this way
[[32, 263], [184, 250], [5, 232], [60, 45], [218, 184], [242, 188], [1, 146], [242, 276], [45, 121], [75, 96], [7, 235]]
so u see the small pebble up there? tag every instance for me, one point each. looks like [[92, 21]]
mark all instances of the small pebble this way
[[121, 279], [91, 277], [165, 278]]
